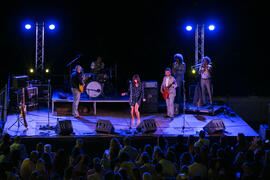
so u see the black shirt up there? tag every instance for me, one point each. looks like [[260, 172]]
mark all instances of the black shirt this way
[[76, 79]]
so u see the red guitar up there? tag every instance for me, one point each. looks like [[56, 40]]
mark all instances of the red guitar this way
[[165, 91], [23, 109]]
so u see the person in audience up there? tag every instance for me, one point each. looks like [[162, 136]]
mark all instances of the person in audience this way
[[29, 165], [48, 149], [147, 166], [18, 145], [197, 168], [77, 151], [98, 172], [40, 167], [60, 162], [48, 162], [126, 164], [190, 144], [180, 146], [202, 140], [40, 149], [168, 168], [241, 144], [133, 153], [5, 143], [183, 175], [147, 176], [162, 143]]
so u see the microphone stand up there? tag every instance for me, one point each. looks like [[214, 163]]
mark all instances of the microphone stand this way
[[184, 109]]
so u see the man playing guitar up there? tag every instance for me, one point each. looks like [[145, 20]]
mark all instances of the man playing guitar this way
[[76, 83], [168, 91]]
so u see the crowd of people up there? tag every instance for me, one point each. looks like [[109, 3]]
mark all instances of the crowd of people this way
[[187, 158]]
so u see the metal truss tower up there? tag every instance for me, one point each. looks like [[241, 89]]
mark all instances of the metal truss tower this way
[[39, 64], [199, 43]]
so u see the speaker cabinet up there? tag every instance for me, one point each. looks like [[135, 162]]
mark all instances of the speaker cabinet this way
[[146, 126], [64, 127], [104, 126], [151, 103], [214, 126]]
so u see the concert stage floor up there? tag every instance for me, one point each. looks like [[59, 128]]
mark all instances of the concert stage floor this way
[[120, 119]]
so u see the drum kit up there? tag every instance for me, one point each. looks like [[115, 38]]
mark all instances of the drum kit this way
[[95, 83]]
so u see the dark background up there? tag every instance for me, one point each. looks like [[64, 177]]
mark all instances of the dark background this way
[[140, 37]]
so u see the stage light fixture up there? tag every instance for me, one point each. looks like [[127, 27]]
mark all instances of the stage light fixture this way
[[211, 27], [47, 70], [27, 26], [193, 71], [52, 27], [31, 70], [188, 28]]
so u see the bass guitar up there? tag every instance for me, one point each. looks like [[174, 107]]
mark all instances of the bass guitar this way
[[165, 91]]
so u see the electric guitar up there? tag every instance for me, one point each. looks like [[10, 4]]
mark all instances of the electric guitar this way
[[80, 85], [23, 109], [165, 91]]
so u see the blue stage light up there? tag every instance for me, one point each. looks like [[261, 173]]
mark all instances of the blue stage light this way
[[52, 27], [211, 27], [188, 28], [27, 26]]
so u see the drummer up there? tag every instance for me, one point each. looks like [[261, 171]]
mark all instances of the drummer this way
[[97, 66]]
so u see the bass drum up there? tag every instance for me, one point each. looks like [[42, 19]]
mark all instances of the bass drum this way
[[94, 89]]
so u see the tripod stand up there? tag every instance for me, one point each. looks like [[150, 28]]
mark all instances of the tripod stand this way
[[18, 120], [184, 110]]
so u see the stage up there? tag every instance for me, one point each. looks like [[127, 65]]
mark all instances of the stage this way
[[184, 124]]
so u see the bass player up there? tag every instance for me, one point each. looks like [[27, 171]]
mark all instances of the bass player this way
[[168, 91]]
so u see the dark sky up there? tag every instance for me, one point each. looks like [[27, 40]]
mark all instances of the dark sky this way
[[140, 37]]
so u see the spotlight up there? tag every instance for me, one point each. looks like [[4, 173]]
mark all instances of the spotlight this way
[[31, 70], [188, 28], [193, 71], [47, 70], [27, 26], [211, 27], [52, 27]]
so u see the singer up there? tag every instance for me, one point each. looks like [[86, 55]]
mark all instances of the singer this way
[[136, 95]]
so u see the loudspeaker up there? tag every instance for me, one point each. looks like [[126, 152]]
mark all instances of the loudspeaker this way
[[104, 126], [151, 103], [64, 127], [147, 125], [19, 82], [214, 126]]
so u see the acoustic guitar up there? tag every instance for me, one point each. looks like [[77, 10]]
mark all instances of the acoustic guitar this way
[[23, 109], [165, 92]]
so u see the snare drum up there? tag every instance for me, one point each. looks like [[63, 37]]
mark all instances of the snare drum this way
[[94, 89]]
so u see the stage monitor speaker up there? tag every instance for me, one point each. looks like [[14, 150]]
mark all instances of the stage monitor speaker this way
[[104, 126], [146, 126], [151, 103], [214, 126], [64, 127]]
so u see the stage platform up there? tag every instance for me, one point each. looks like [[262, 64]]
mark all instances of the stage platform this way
[[120, 118]]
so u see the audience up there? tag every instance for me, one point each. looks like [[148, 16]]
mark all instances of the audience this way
[[205, 158]]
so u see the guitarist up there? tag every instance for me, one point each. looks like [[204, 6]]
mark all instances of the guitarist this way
[[76, 82], [168, 86]]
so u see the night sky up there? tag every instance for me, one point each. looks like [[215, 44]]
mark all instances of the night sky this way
[[140, 37]]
